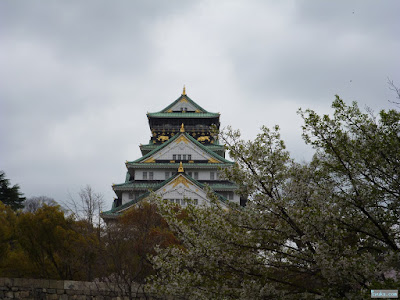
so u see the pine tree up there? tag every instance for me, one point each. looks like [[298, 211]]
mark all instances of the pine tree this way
[[10, 195]]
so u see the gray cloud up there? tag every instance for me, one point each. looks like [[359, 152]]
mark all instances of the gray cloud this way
[[77, 77]]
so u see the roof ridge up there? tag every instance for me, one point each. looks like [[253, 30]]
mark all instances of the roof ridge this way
[[188, 136], [188, 99], [118, 209], [156, 149], [217, 156]]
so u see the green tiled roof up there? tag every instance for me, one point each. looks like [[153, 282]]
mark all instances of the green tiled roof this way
[[116, 210], [175, 165], [201, 114], [222, 186], [137, 185], [212, 147], [213, 154], [148, 146], [182, 115], [186, 98]]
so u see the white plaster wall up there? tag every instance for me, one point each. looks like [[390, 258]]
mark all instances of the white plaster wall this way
[[236, 199], [159, 174], [203, 174], [182, 148], [125, 198], [183, 104], [182, 191]]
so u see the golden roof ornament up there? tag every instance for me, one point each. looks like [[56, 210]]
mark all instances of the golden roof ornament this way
[[182, 128], [180, 169], [184, 91]]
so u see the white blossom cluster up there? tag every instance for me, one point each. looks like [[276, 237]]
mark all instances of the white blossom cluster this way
[[328, 229]]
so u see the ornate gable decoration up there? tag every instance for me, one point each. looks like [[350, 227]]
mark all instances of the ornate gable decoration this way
[[182, 105], [182, 145], [182, 188]]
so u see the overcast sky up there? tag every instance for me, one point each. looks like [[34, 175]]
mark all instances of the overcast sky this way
[[78, 77]]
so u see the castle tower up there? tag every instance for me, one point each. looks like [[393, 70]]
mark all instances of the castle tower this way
[[181, 158]]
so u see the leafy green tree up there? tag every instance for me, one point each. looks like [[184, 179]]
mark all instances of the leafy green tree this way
[[325, 229], [55, 245], [7, 230], [10, 195], [40, 242]]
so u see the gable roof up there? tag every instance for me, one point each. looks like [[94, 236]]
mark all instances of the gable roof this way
[[190, 138], [184, 98], [168, 113], [149, 147], [115, 211]]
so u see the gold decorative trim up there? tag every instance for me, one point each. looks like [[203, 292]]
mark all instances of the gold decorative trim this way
[[197, 111], [213, 161], [191, 161], [182, 128], [150, 160], [172, 161], [203, 138], [182, 138], [183, 100], [180, 169], [182, 180], [184, 90], [163, 138], [169, 111]]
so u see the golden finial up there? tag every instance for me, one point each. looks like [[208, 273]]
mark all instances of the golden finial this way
[[182, 128], [180, 169], [184, 91]]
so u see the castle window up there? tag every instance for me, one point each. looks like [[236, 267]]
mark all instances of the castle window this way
[[190, 174], [230, 195], [189, 156], [151, 175], [196, 175], [174, 157], [179, 157], [144, 175], [131, 195], [166, 175], [184, 156], [212, 175], [196, 201]]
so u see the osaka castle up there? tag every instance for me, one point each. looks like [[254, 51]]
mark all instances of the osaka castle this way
[[182, 158]]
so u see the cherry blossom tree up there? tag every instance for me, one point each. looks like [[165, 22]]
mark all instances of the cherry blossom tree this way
[[324, 229]]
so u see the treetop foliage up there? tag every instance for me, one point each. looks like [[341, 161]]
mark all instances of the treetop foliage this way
[[10, 195]]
